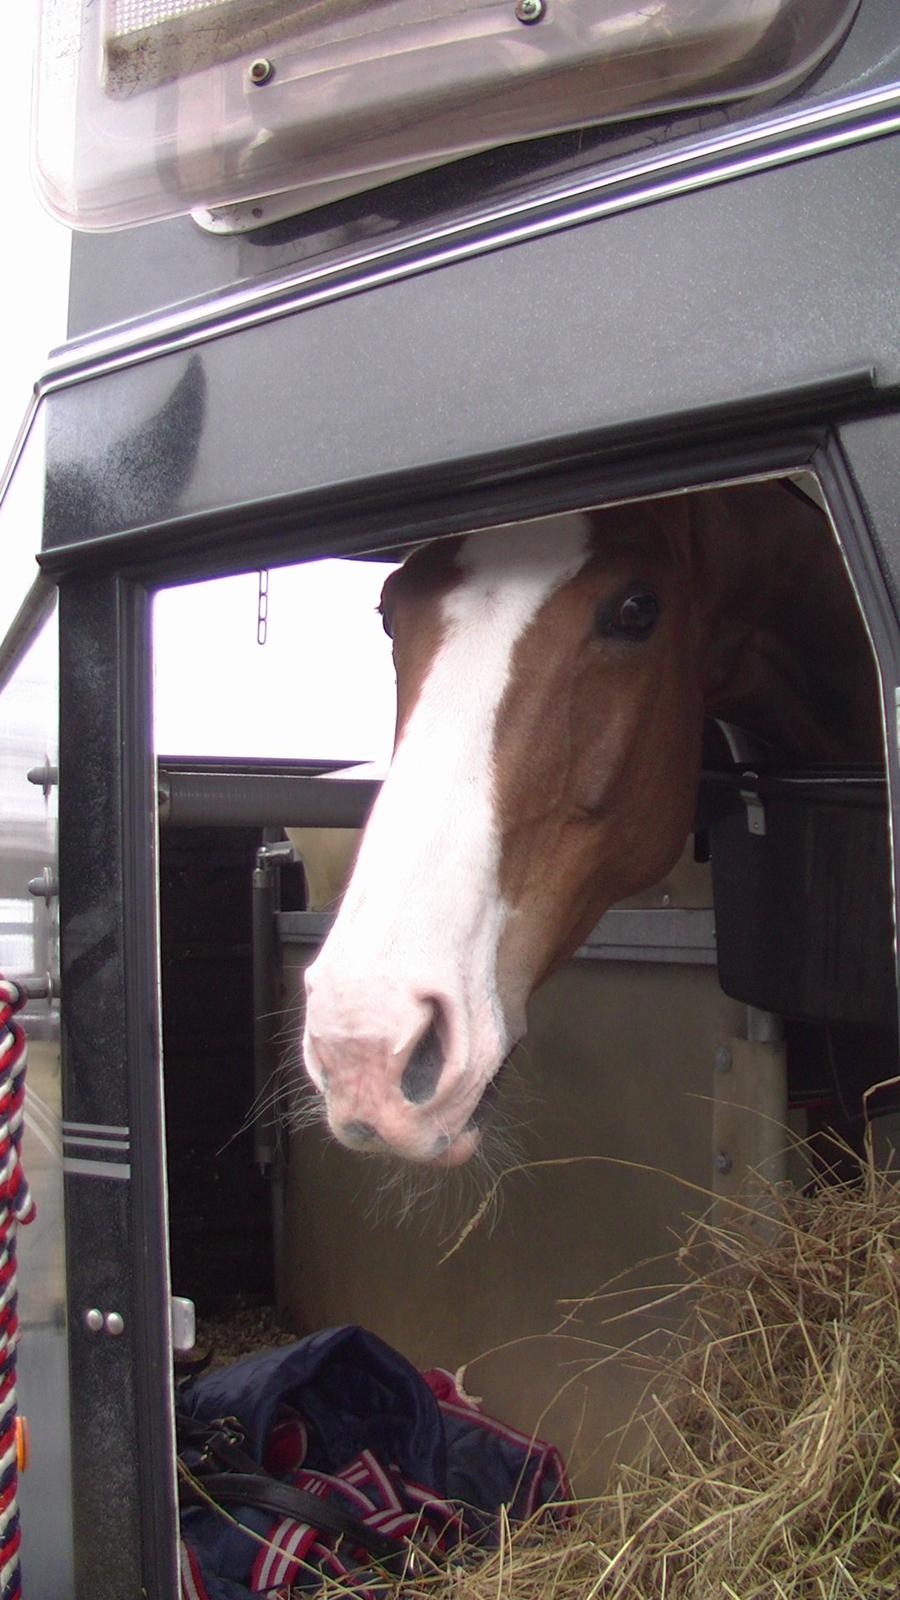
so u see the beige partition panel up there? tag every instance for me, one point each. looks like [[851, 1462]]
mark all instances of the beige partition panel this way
[[615, 1084]]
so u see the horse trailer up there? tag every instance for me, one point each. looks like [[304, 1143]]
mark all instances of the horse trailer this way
[[550, 288]]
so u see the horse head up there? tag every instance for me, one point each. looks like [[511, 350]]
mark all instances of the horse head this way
[[552, 684]]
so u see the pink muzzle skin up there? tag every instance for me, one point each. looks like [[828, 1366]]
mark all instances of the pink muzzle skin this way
[[391, 1088]]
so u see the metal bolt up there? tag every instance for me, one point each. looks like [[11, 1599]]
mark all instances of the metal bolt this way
[[45, 887], [530, 10], [45, 777], [115, 1323], [724, 1162], [667, 899], [723, 1059], [93, 1320], [262, 69]]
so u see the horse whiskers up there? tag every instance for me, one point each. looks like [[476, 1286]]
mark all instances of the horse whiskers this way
[[287, 1099], [404, 1193], [269, 1097], [291, 1030], [308, 1108], [429, 1196], [262, 1104], [434, 1198], [310, 1115], [423, 1197]]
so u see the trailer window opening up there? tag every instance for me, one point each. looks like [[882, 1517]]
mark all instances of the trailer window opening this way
[[247, 1175], [320, 685]]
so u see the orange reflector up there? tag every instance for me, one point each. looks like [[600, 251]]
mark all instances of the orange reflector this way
[[23, 1444]]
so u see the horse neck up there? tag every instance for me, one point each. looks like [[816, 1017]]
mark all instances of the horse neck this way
[[789, 659]]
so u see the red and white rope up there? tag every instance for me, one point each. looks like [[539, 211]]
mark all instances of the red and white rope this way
[[16, 1205]]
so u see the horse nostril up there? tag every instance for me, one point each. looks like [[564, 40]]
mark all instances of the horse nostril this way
[[423, 1069], [360, 1133]]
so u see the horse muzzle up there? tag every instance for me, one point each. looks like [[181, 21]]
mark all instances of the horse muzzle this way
[[422, 1146], [396, 1077]]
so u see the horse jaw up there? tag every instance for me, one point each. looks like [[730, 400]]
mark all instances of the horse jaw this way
[[413, 952]]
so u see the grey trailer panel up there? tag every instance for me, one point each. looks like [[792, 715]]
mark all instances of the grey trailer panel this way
[[444, 373]]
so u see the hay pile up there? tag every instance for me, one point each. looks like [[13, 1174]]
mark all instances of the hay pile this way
[[772, 1470]]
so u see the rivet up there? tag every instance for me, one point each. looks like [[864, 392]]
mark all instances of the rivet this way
[[115, 1323], [723, 1059], [724, 1162], [45, 777], [530, 10], [46, 887], [93, 1319], [260, 71]]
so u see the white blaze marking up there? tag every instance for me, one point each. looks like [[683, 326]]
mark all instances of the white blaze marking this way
[[423, 912]]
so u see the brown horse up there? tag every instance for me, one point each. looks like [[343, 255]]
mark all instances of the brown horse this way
[[553, 679]]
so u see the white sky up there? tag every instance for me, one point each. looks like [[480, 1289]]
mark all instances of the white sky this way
[[34, 248], [322, 685]]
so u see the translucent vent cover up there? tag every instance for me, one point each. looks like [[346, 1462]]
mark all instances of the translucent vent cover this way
[[149, 108]]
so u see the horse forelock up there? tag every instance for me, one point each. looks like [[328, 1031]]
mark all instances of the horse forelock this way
[[462, 605]]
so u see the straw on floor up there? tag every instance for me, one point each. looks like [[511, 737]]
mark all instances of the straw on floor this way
[[771, 1469]]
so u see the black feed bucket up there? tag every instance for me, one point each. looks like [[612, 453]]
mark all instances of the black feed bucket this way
[[801, 883]]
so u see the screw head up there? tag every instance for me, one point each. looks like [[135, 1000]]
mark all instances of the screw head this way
[[724, 1162], [260, 71], [115, 1323], [723, 1059], [93, 1319], [530, 10]]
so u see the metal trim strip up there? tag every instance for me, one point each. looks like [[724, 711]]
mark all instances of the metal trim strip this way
[[768, 143], [659, 954], [96, 1144], [102, 1129], [671, 933], [80, 1167], [672, 928]]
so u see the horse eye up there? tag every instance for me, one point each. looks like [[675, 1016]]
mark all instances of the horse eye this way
[[633, 616]]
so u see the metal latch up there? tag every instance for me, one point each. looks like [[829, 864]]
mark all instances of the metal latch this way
[[753, 805], [184, 1322]]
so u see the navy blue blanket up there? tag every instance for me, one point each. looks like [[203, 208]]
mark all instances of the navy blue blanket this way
[[344, 1417]]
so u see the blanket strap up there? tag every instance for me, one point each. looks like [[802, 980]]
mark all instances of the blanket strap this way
[[245, 1484]]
